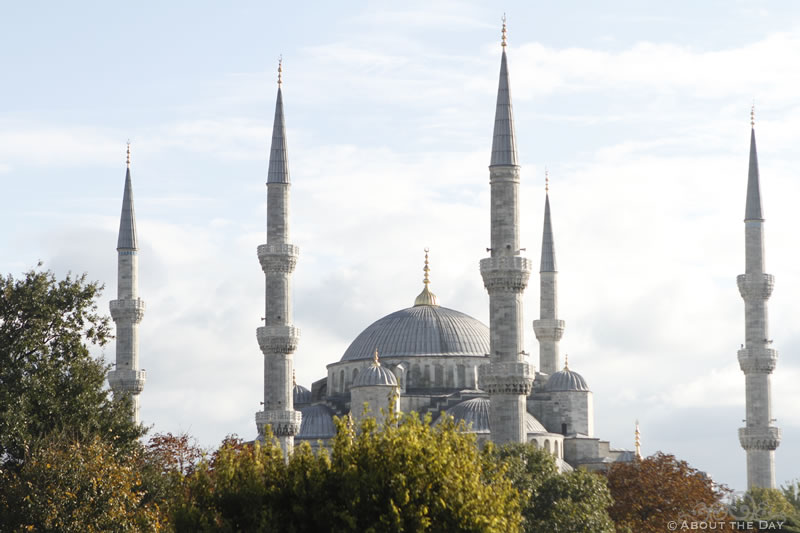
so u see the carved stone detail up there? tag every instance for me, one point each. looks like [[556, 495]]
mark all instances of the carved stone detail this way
[[132, 310], [755, 285], [506, 273], [763, 438], [278, 339], [278, 257], [282, 423], [506, 378]]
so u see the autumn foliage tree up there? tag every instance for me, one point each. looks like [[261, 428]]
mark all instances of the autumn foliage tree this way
[[651, 492]]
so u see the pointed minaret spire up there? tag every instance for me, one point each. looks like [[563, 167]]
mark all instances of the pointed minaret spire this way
[[757, 358], [278, 156], [548, 263], [752, 209], [127, 310], [637, 442], [127, 221], [278, 337], [504, 144]]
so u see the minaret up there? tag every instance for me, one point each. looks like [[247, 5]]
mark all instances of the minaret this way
[[507, 378], [278, 337], [637, 442], [128, 309], [549, 329], [757, 359]]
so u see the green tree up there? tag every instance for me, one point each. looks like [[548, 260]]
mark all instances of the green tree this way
[[572, 502], [770, 505], [404, 475], [69, 486], [651, 492], [791, 492], [49, 382]]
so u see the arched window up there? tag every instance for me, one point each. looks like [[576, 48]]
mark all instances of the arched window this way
[[341, 381], [547, 446]]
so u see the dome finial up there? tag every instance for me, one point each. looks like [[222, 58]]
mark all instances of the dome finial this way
[[566, 361], [504, 40], [294, 378], [426, 297], [375, 361], [128, 157], [637, 441], [753, 114], [280, 70]]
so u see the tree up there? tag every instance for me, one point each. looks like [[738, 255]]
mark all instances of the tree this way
[[791, 492], [404, 475], [49, 382], [651, 492], [76, 487], [551, 501], [760, 505]]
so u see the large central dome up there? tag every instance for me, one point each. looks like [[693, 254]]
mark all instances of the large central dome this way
[[422, 330]]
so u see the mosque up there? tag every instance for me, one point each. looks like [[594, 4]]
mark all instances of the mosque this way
[[432, 359]]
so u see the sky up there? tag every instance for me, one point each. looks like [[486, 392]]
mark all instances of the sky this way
[[640, 111]]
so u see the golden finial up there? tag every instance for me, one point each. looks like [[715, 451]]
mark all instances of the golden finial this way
[[375, 361], [753, 115], [426, 297], [566, 361], [280, 70], [637, 441], [504, 42], [128, 158], [294, 378], [546, 180]]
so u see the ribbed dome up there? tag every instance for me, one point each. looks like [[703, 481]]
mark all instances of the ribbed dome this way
[[566, 380], [475, 413], [301, 395], [317, 423], [374, 374], [421, 330]]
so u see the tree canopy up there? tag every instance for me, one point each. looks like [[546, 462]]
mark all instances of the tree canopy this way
[[651, 492], [404, 475], [572, 502], [49, 382]]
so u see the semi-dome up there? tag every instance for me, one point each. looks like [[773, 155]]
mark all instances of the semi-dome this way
[[375, 375], [317, 423], [422, 330], [566, 380], [475, 414]]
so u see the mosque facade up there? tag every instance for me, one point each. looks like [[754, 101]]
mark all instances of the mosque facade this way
[[432, 359]]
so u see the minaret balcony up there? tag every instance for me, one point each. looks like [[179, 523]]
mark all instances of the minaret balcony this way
[[506, 378], [755, 285], [757, 360], [282, 423], [127, 381], [278, 257], [278, 339], [548, 329], [506, 272], [760, 438], [127, 310]]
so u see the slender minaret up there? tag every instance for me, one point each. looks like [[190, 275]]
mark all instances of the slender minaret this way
[[278, 337], [757, 359], [507, 378], [637, 442], [128, 309], [549, 329]]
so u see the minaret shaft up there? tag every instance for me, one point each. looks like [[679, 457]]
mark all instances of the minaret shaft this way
[[278, 337], [507, 378], [757, 359], [128, 309]]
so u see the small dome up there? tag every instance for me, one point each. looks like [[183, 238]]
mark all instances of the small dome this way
[[475, 414], [566, 380], [317, 423], [301, 395], [375, 374]]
